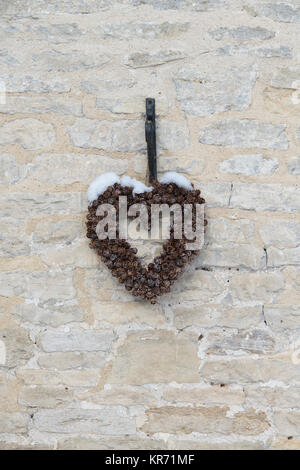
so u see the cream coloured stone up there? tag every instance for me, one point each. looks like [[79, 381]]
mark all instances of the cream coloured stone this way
[[213, 395], [260, 286], [31, 134], [204, 420], [273, 397], [9, 389], [77, 340], [13, 423], [248, 370], [45, 397], [120, 396], [71, 378], [287, 422], [285, 444], [128, 312], [257, 341], [106, 420], [71, 360], [206, 316], [18, 345], [140, 361], [113, 443], [74, 168]]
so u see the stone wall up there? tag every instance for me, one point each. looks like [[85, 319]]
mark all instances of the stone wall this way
[[214, 365]]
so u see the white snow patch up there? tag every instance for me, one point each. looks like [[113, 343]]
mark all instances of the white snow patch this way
[[138, 186], [173, 177], [100, 184]]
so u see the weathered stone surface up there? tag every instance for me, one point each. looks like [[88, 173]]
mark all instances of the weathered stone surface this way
[[117, 136], [213, 395], [248, 370], [77, 340], [196, 419], [285, 12], [285, 444], [257, 341], [178, 164], [205, 316], [128, 312], [283, 257], [78, 254], [45, 397], [13, 423], [200, 285], [113, 443], [130, 104], [69, 378], [249, 165], [18, 242], [200, 5], [286, 77], [241, 33], [29, 204], [246, 133], [27, 8], [31, 134], [281, 317], [211, 364], [265, 197], [258, 287], [226, 231], [9, 389], [19, 347], [215, 193], [74, 168], [126, 136], [136, 361], [54, 33], [25, 446], [146, 59], [24, 83], [98, 86], [294, 165], [233, 256], [121, 396], [173, 135], [287, 422], [41, 105], [53, 231], [143, 30], [51, 315], [273, 397], [281, 233], [11, 172], [106, 420], [54, 61], [42, 287], [71, 360], [7, 59], [214, 444], [201, 93], [268, 52]]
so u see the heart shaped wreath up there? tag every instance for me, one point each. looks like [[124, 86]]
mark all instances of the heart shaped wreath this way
[[120, 257]]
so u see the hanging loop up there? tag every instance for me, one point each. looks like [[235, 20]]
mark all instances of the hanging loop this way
[[150, 134]]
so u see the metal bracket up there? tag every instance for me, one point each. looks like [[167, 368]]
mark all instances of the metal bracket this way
[[150, 134]]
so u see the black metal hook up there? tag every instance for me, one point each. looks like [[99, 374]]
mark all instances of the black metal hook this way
[[150, 134]]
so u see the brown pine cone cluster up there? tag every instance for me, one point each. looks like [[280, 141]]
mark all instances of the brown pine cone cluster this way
[[157, 278]]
